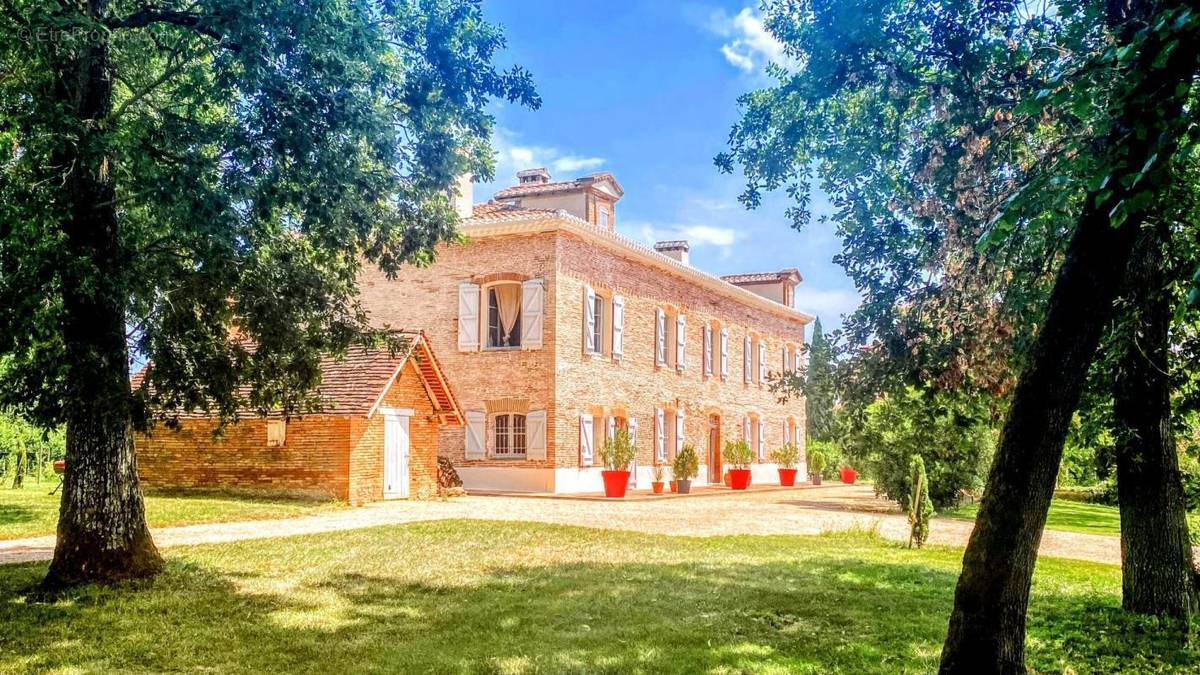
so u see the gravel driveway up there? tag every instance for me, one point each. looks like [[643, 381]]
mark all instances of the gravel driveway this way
[[802, 511]]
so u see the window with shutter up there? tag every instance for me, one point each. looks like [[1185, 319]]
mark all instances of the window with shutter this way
[[587, 440], [680, 341], [276, 433], [618, 327], [747, 362], [535, 430], [762, 363], [707, 350], [660, 435], [724, 353], [660, 337], [468, 317], [533, 301], [476, 423]]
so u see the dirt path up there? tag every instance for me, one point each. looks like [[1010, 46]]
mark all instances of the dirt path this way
[[809, 511]]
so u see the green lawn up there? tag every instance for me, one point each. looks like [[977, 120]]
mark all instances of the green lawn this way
[[463, 597], [31, 511], [1073, 516]]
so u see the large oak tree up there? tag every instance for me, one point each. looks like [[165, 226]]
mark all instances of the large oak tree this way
[[177, 172], [961, 142]]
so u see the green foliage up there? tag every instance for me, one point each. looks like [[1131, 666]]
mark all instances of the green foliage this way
[[817, 463], [737, 454], [950, 432], [686, 464], [258, 153], [831, 454], [26, 450], [921, 508], [786, 455], [617, 452], [820, 388]]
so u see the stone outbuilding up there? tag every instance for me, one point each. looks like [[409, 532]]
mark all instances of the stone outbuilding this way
[[376, 436]]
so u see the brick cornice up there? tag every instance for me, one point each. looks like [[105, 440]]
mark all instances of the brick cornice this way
[[539, 222]]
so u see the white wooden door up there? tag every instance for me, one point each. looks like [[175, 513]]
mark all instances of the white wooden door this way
[[395, 457]]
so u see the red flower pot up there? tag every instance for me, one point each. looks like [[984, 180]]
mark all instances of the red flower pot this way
[[615, 483], [739, 479], [657, 487], [849, 475], [674, 486], [787, 477], [726, 479]]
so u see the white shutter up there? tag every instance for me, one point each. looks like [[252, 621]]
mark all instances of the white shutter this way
[[724, 353], [746, 428], [678, 431], [660, 436], [680, 341], [468, 317], [633, 432], [784, 359], [787, 432], [535, 434], [589, 319], [708, 369], [586, 441], [746, 367], [610, 431], [476, 432], [762, 439], [618, 327], [533, 301], [660, 337], [762, 361], [799, 356]]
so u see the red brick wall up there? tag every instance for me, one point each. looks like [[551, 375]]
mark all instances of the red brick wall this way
[[366, 441], [427, 299], [312, 461]]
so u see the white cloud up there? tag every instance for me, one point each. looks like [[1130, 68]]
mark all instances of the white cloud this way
[[830, 305], [696, 234], [750, 46], [513, 156]]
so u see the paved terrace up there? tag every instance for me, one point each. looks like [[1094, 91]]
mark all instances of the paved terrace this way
[[799, 511]]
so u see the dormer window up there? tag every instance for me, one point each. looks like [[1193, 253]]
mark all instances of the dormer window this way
[[604, 217]]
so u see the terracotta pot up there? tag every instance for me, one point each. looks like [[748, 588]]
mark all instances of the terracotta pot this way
[[726, 479], [657, 487], [787, 477], [60, 466], [674, 486], [739, 479], [849, 475], [684, 485], [816, 479], [615, 483]]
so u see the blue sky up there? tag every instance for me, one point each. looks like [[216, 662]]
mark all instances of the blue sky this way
[[648, 91]]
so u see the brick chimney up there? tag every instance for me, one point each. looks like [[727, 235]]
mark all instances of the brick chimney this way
[[677, 249], [464, 196], [533, 176]]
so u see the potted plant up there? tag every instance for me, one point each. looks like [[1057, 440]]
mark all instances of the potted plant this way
[[849, 475], [685, 467], [786, 456], [816, 463], [616, 454], [738, 455], [656, 485]]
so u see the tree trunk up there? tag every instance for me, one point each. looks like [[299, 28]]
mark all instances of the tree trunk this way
[[1157, 576], [987, 627], [102, 533]]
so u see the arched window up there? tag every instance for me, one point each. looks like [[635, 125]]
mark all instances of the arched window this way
[[509, 435], [504, 316]]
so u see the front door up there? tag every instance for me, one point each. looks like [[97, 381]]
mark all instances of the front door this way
[[395, 457], [714, 450]]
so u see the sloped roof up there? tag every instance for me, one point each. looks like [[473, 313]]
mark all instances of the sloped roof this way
[[354, 386], [789, 274], [528, 189]]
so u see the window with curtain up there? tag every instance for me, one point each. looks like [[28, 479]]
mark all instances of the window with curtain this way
[[509, 436], [504, 316]]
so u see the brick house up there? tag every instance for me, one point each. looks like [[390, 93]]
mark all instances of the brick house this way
[[375, 437], [555, 330]]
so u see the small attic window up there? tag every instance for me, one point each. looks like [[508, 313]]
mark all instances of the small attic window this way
[[276, 433], [603, 217]]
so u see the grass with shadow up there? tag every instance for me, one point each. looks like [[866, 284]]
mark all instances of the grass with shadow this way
[[472, 596], [31, 511], [1074, 516]]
